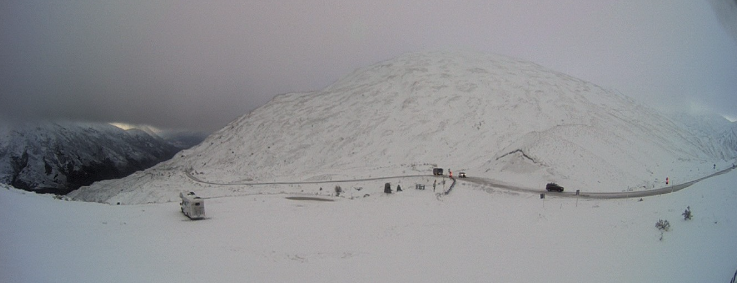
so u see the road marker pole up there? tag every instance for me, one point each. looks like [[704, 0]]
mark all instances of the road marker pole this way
[[671, 186], [542, 196]]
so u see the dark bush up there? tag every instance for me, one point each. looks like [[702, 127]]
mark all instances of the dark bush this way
[[687, 214], [338, 190]]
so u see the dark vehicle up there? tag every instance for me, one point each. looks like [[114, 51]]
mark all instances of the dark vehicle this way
[[462, 175], [437, 171], [553, 187]]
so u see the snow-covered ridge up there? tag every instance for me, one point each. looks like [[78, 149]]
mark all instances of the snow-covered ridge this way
[[712, 131], [728, 140], [490, 115], [57, 157]]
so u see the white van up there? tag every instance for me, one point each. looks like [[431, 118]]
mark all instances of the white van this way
[[192, 205]]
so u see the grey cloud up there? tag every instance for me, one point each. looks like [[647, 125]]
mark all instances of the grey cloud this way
[[726, 11], [201, 64]]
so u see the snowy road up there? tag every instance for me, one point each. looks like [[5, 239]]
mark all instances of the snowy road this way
[[193, 178], [595, 195], [491, 183]]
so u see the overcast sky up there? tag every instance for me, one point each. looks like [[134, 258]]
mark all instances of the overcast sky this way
[[201, 64]]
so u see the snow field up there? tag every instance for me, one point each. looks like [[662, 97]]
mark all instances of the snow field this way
[[475, 234]]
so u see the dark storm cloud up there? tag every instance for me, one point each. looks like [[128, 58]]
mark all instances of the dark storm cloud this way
[[200, 64], [115, 62]]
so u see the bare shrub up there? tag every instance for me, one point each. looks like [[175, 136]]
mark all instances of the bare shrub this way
[[663, 225], [687, 214]]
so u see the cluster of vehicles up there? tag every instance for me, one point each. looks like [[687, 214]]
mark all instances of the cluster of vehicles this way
[[550, 187], [439, 172]]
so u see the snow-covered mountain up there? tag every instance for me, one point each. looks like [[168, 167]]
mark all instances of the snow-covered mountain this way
[[491, 116], [728, 139], [179, 138], [702, 123], [710, 130], [183, 139], [58, 157]]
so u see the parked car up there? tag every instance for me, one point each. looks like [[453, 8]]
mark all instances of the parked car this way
[[553, 187], [437, 171], [461, 174]]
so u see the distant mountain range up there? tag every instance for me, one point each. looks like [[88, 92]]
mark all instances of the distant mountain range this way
[[58, 157]]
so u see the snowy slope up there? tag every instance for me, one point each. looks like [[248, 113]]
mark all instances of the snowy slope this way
[[181, 139], [728, 139], [703, 123], [709, 129], [471, 235], [492, 116], [57, 157]]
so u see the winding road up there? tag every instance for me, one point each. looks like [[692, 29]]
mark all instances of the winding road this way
[[193, 178], [595, 195], [490, 183]]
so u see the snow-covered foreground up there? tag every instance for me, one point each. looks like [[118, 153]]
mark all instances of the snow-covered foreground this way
[[472, 235]]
